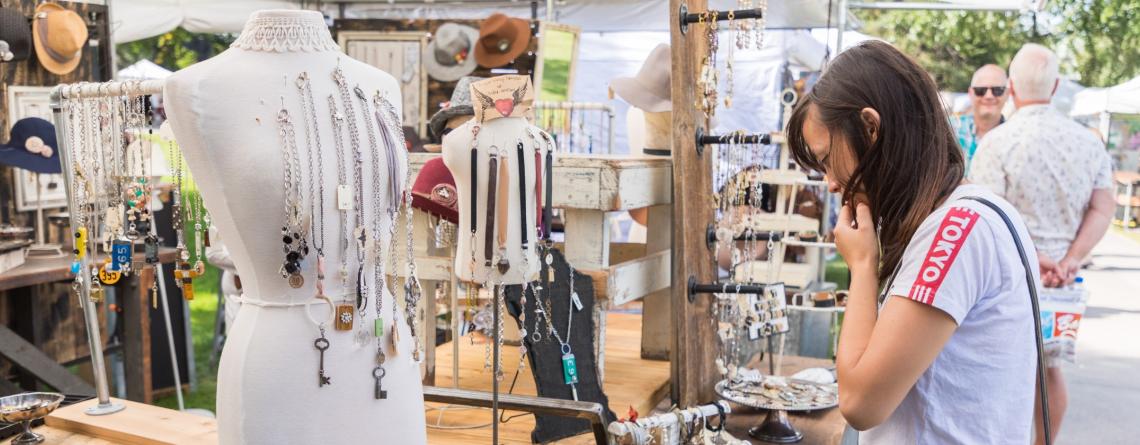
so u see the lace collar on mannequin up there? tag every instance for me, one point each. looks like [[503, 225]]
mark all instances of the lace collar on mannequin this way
[[286, 31]]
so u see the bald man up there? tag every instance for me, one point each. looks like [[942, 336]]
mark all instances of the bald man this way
[[987, 96]]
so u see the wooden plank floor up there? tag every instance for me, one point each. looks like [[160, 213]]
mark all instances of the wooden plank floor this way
[[629, 381]]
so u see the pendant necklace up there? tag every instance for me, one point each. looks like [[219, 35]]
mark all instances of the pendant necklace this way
[[413, 291], [389, 143], [503, 265], [358, 231], [569, 363], [294, 230], [343, 309], [81, 188], [378, 263], [316, 175]]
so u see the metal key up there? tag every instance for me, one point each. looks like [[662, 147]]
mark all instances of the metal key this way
[[322, 344], [378, 374]]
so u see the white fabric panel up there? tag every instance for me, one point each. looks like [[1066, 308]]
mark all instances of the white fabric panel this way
[[140, 19], [600, 15], [755, 103]]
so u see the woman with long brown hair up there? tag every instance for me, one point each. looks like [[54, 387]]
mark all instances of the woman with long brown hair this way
[[945, 352]]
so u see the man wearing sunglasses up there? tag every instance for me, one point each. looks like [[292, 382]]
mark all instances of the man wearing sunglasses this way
[[987, 97]]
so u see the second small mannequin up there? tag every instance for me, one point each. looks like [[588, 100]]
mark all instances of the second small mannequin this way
[[502, 137]]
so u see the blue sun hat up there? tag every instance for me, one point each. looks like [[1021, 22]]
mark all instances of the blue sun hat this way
[[32, 146]]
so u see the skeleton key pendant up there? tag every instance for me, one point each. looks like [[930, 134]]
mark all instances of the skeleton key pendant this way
[[378, 373], [322, 344]]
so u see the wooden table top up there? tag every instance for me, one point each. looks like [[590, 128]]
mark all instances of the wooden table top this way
[[59, 269]]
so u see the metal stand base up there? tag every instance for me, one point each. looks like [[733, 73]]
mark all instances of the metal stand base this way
[[776, 429], [104, 409], [44, 252], [28, 438]]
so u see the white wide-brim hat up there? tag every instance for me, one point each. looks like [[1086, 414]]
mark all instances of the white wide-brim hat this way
[[649, 89]]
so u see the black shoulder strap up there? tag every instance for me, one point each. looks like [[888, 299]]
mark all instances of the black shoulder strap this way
[[1036, 312]]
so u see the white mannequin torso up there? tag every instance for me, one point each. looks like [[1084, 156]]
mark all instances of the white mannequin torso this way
[[503, 133], [224, 115]]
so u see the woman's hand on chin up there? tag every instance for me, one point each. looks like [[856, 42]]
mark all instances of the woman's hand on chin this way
[[856, 240]]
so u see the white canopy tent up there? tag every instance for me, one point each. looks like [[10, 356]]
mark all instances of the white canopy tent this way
[[1122, 99], [143, 70], [140, 19]]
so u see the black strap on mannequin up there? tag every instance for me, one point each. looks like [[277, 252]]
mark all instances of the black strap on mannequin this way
[[474, 190], [492, 189], [548, 209], [522, 192], [1043, 392]]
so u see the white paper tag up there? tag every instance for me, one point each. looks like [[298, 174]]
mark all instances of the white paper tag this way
[[577, 301], [343, 197]]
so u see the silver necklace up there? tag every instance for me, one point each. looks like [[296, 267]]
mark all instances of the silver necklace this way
[[344, 309], [293, 232]]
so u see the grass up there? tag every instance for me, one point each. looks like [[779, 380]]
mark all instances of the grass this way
[[203, 309]]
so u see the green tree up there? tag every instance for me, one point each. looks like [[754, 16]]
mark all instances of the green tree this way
[[1103, 37], [952, 44], [1097, 39], [174, 50]]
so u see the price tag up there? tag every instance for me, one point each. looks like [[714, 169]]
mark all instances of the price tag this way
[[343, 197], [577, 301]]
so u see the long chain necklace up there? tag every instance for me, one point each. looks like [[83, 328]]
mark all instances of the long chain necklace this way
[[390, 146], [344, 196], [316, 175], [473, 219], [294, 230], [358, 231], [413, 291], [378, 263]]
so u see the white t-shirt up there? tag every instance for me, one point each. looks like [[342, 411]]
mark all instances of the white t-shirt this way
[[980, 388]]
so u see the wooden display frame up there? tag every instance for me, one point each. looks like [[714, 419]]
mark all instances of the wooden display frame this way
[[346, 38]]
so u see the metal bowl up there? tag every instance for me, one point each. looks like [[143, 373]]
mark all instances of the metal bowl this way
[[26, 407]]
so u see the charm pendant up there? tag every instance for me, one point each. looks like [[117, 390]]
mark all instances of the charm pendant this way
[[296, 281], [97, 294], [344, 316], [378, 327], [569, 367]]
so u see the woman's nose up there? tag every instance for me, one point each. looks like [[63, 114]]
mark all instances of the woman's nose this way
[[832, 186]]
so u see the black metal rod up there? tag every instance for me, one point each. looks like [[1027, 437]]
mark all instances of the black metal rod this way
[[722, 288], [711, 239], [714, 139], [687, 17]]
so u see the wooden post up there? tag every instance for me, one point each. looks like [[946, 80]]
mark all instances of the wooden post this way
[[693, 368], [657, 313]]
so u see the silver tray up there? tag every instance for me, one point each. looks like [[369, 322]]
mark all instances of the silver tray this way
[[780, 393]]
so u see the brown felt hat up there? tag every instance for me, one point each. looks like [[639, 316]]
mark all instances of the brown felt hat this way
[[59, 35], [501, 40]]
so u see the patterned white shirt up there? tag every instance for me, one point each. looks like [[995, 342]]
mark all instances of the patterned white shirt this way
[[1047, 166]]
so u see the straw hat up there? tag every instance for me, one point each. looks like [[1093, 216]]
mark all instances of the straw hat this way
[[450, 56], [501, 40], [59, 35], [649, 89]]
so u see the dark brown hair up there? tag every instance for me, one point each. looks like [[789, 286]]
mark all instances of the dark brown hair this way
[[914, 163]]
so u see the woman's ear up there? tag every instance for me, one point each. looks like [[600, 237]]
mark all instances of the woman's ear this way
[[870, 123]]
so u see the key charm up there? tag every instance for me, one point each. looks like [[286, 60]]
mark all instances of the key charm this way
[[322, 344], [378, 373]]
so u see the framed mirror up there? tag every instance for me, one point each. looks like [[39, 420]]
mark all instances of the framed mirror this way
[[397, 53]]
